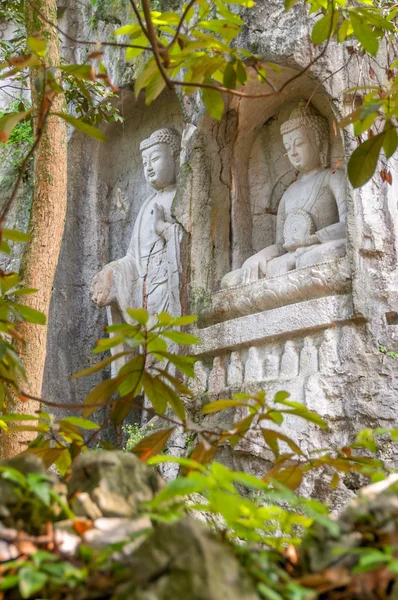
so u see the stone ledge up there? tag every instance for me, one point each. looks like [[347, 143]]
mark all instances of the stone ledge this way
[[316, 281], [269, 324]]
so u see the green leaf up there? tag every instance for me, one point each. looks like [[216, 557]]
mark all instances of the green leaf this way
[[268, 593], [99, 395], [154, 87], [291, 476], [213, 407], [79, 422], [138, 314], [324, 28], [122, 408], [244, 3], [152, 444], [132, 53], [99, 366], [79, 71], [30, 314], [162, 392], [281, 396], [31, 581], [179, 488], [214, 103], [83, 127], [241, 73], [40, 487], [128, 30], [390, 141], [10, 417], [229, 79], [9, 281], [365, 35], [185, 320], [181, 338], [363, 161], [289, 4], [15, 236], [144, 76], [132, 376], [271, 438], [184, 462], [9, 581], [9, 121], [184, 364], [155, 392], [38, 45]]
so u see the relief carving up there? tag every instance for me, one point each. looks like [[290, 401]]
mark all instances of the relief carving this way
[[149, 275], [311, 215]]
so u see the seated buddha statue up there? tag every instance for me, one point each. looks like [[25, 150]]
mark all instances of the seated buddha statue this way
[[310, 225]]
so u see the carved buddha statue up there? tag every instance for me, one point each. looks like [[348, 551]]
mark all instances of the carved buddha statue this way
[[149, 275], [311, 216]]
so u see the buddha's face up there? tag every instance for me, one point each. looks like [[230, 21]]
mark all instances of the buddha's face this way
[[302, 150], [159, 166]]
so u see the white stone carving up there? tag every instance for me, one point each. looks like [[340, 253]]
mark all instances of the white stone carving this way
[[271, 366], [290, 360], [254, 369], [199, 384], [328, 354], [267, 325], [235, 369], [308, 358], [311, 215], [149, 275], [218, 376]]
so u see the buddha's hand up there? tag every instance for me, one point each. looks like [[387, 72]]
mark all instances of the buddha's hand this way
[[101, 286], [159, 220], [252, 270]]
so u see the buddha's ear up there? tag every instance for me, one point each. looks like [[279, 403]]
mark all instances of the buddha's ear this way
[[324, 154]]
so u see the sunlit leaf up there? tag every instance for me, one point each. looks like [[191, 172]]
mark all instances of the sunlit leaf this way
[[15, 236], [9, 121], [138, 314], [83, 127], [363, 161], [38, 45], [214, 103], [152, 444], [213, 407]]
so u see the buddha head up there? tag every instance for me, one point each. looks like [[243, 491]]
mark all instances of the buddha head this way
[[306, 138], [160, 153]]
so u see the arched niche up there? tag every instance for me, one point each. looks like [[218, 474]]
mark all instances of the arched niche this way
[[260, 169], [106, 188]]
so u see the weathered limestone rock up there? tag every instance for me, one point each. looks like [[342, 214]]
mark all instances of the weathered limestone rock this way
[[115, 482], [185, 560]]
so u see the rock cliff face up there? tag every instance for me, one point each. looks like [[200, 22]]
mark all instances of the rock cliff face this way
[[315, 332]]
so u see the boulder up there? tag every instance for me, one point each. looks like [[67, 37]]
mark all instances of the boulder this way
[[111, 484], [185, 560]]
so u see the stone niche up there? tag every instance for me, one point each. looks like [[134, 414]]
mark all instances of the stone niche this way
[[313, 331], [106, 190]]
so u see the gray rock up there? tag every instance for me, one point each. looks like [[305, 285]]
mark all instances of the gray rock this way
[[185, 560], [116, 483]]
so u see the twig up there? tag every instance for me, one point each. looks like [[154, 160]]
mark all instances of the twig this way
[[85, 42], [152, 37], [138, 17], [180, 24]]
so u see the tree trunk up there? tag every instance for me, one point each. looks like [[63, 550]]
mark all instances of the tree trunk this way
[[46, 225]]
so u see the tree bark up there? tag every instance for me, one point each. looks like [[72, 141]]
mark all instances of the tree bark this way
[[46, 225]]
